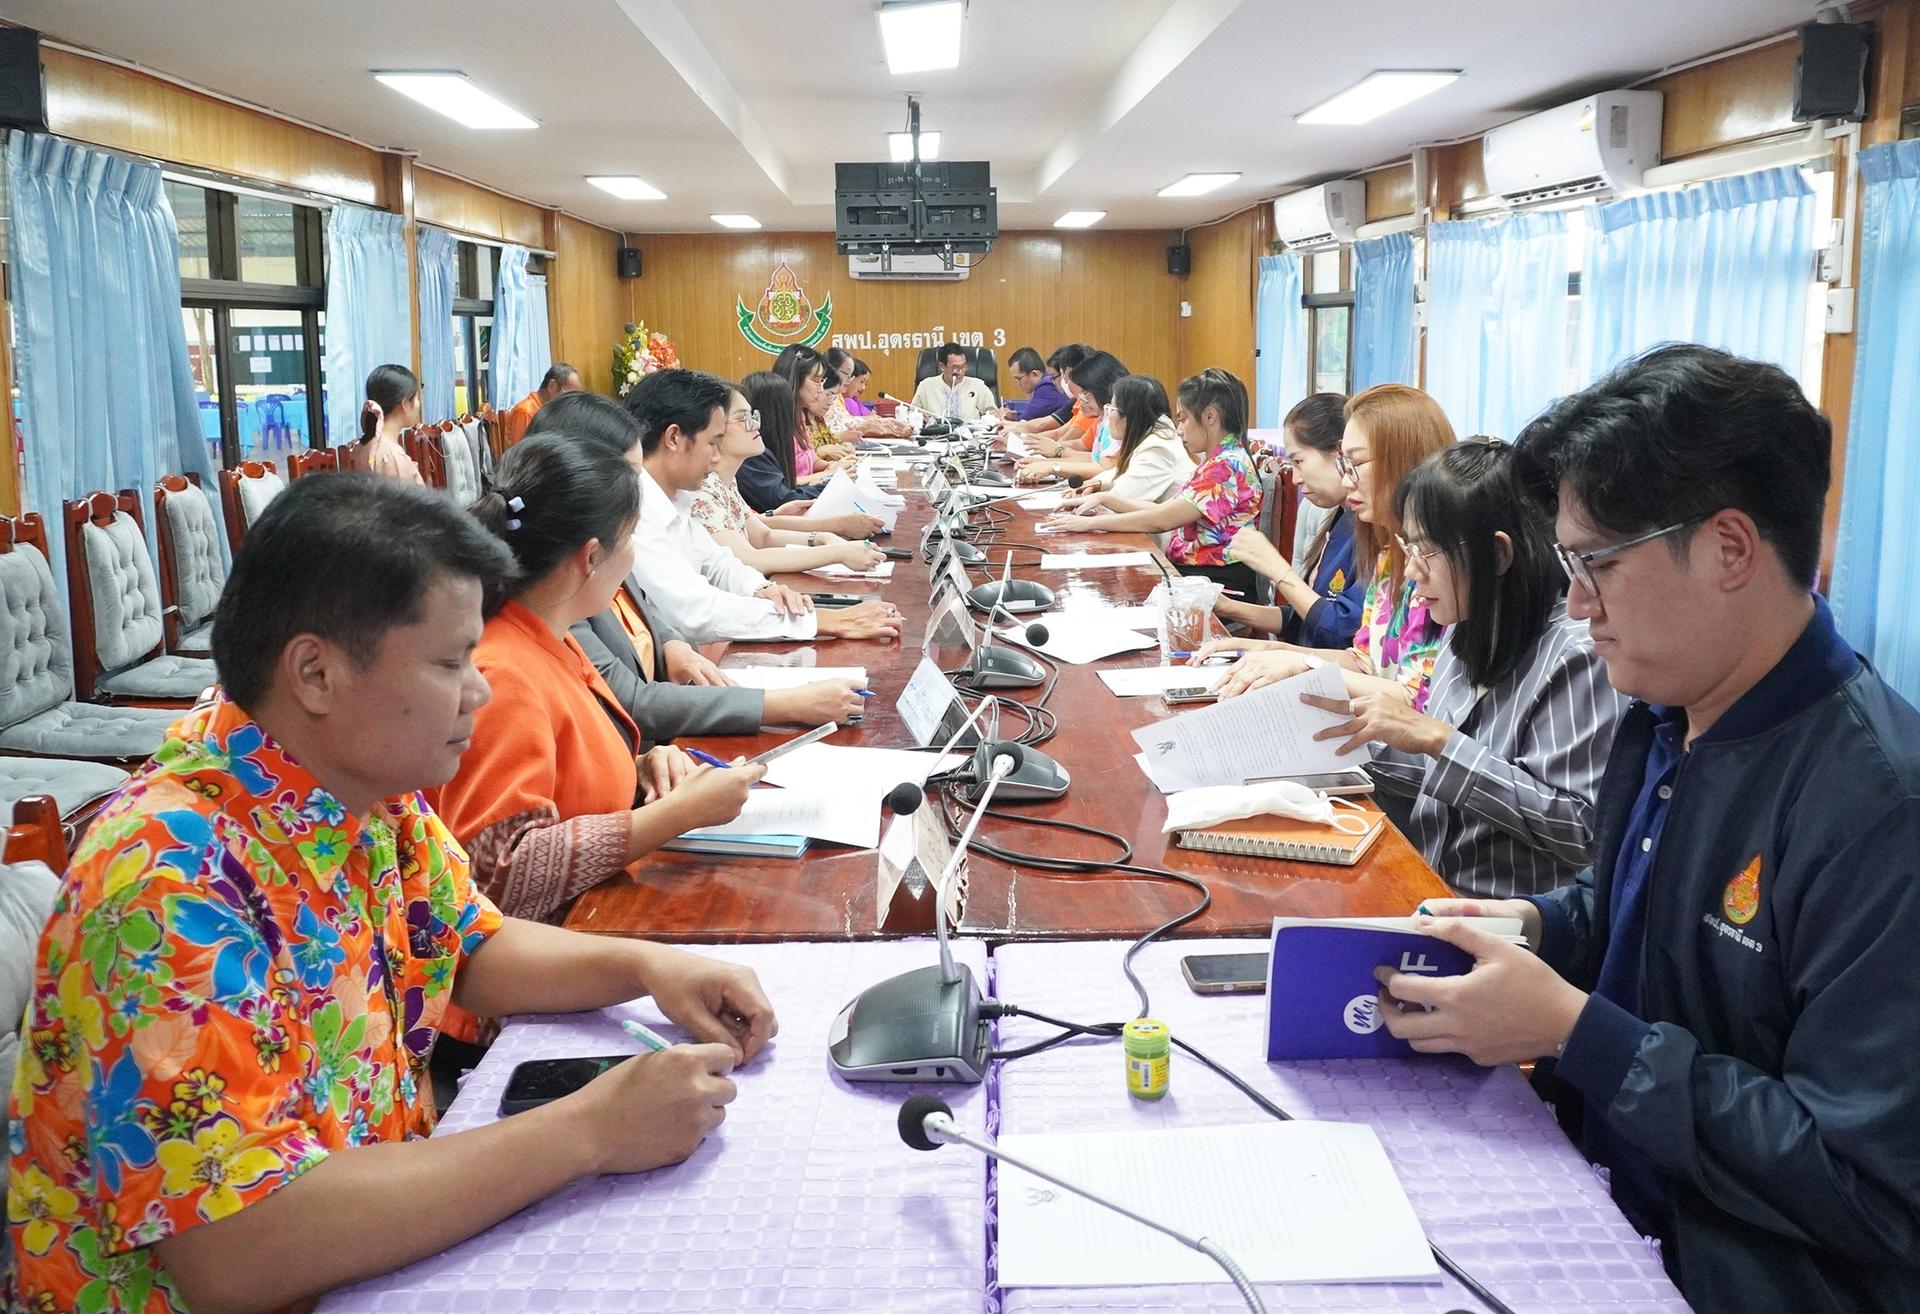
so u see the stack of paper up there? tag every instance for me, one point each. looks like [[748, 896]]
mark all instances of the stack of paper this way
[[835, 570], [1080, 638], [1289, 1201], [1255, 736], [1149, 681], [818, 811], [1093, 560]]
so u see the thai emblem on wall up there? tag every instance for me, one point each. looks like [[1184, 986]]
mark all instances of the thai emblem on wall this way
[[784, 316]]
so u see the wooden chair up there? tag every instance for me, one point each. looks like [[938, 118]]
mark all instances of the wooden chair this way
[[191, 570], [37, 834], [422, 445], [351, 457], [244, 494], [320, 461], [119, 630]]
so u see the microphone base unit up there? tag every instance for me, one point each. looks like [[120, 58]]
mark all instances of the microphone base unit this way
[[915, 1027], [1038, 778], [967, 552], [994, 666], [1023, 596]]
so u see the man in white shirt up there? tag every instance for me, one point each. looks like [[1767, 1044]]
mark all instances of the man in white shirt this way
[[950, 395], [700, 588]]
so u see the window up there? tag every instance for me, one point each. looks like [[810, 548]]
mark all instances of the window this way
[[1329, 303], [478, 267], [251, 292]]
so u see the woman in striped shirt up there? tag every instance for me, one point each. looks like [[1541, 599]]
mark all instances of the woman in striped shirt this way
[[1495, 780]]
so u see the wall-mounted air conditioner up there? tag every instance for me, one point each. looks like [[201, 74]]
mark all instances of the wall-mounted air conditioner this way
[[1323, 215], [912, 266], [1601, 144]]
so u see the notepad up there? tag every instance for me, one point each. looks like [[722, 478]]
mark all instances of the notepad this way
[[1286, 839], [740, 846]]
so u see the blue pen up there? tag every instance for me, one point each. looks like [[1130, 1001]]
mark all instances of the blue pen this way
[[866, 693], [699, 756], [1217, 657], [645, 1034]]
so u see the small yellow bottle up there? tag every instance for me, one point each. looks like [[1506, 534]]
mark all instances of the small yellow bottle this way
[[1149, 1045]]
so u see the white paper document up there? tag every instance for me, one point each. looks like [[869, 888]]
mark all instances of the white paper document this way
[[1289, 1201], [1093, 560], [1268, 732], [1134, 618], [1043, 501], [867, 773], [1149, 681], [792, 677], [1080, 639], [837, 570], [843, 497], [824, 812]]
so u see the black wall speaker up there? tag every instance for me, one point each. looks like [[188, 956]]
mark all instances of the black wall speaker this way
[[1830, 77], [629, 262], [1179, 259], [23, 84]]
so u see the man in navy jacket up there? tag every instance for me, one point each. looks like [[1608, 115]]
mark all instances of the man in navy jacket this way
[[1725, 1001]]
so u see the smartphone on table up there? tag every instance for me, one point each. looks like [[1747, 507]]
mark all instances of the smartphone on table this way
[[1347, 781], [542, 1081], [1225, 974]]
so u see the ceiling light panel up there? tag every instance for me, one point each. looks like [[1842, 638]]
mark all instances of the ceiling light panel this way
[[455, 95]]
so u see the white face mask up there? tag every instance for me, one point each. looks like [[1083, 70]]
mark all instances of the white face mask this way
[[1193, 809]]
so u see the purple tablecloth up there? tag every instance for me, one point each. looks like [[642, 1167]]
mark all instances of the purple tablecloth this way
[[804, 1200], [1490, 1174]]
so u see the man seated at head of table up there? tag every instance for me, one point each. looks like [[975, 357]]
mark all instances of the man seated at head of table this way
[[951, 394], [699, 588], [1719, 1001], [1219, 499], [1494, 778], [222, 1100], [664, 684], [550, 799], [1063, 359]]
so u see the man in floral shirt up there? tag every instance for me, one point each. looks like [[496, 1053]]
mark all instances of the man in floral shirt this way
[[222, 1095]]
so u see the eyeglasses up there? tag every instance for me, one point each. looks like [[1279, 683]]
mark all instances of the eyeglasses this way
[[1415, 550], [1579, 565], [1347, 466], [750, 420]]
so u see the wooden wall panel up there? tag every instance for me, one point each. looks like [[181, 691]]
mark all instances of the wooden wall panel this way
[[1732, 100], [448, 202], [1389, 192], [118, 108], [1220, 289], [589, 305], [1454, 174], [1036, 289]]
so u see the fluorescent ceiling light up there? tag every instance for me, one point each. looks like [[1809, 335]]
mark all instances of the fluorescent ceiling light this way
[[1079, 218], [900, 146], [1379, 93], [455, 95], [1198, 184], [921, 35], [627, 187], [735, 220]]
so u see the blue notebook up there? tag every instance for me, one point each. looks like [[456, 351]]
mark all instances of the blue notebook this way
[[1322, 1000]]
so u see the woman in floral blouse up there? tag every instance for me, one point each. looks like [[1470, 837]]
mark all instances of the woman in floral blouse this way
[[1390, 429], [1220, 499]]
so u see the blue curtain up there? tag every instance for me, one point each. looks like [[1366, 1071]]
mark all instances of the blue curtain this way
[[1875, 596], [369, 309], [106, 391], [438, 251], [1279, 339], [515, 371], [1497, 320], [539, 335], [1726, 264], [1383, 340]]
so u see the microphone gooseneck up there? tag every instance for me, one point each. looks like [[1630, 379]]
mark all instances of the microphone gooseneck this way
[[1006, 759]]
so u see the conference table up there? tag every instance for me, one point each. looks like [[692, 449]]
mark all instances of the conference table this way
[[830, 894]]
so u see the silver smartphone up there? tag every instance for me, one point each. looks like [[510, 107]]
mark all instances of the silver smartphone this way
[[1352, 780], [1192, 693]]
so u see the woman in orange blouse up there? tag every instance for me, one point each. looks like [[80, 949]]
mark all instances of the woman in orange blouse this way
[[545, 797], [392, 407]]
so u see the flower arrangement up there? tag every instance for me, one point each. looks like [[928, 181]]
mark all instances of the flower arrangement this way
[[640, 353]]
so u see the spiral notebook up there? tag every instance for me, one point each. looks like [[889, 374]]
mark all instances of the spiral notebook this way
[[1288, 840]]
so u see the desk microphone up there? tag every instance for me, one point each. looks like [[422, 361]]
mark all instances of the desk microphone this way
[[924, 1025], [997, 666], [1014, 595], [905, 798], [926, 1123]]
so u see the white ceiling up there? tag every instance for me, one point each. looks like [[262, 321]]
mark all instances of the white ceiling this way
[[745, 105]]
